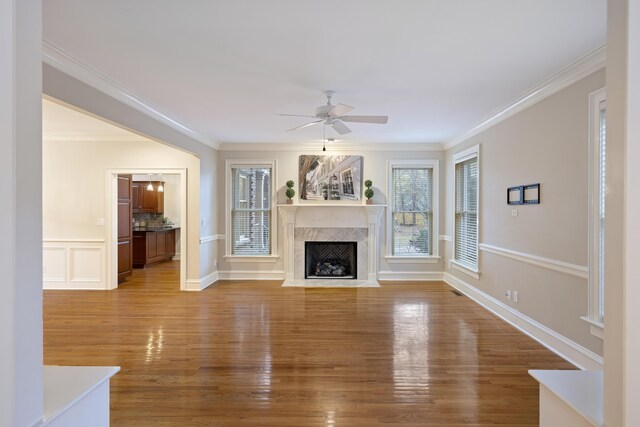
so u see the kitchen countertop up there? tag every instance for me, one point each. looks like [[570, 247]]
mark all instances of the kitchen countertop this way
[[152, 229]]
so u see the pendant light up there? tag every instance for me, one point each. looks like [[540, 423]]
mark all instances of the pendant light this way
[[161, 185], [324, 137], [150, 186]]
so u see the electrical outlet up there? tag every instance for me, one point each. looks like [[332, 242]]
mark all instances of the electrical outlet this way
[[100, 221], [508, 294], [515, 296], [514, 212]]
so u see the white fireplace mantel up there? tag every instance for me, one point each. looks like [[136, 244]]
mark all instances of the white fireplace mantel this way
[[332, 215]]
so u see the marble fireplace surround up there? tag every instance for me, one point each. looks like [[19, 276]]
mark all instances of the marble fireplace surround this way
[[331, 222]]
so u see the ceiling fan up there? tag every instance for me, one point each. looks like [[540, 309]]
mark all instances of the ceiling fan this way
[[335, 115]]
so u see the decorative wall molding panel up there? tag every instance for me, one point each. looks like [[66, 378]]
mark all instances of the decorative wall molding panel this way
[[580, 69], [580, 356], [548, 263], [73, 264]]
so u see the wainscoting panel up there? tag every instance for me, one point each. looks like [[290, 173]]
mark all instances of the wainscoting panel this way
[[74, 264]]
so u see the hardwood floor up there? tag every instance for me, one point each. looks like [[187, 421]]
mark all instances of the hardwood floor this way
[[256, 354]]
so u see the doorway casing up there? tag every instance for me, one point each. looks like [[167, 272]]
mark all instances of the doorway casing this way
[[111, 204]]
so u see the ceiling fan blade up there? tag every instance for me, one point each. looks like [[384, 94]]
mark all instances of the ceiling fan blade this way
[[340, 110], [366, 119], [304, 126], [295, 115], [340, 127]]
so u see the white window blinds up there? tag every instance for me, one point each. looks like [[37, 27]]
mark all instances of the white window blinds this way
[[251, 211], [466, 226], [412, 223]]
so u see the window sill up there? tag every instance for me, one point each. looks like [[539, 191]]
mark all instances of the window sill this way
[[391, 259], [251, 258], [597, 328], [464, 269]]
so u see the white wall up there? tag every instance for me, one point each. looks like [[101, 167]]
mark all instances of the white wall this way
[[374, 168], [74, 197], [546, 143], [21, 389]]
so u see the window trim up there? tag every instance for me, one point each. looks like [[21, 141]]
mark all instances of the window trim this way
[[460, 157], [435, 209], [273, 232], [597, 100]]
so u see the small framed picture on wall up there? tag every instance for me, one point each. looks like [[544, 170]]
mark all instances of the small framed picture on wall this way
[[515, 195]]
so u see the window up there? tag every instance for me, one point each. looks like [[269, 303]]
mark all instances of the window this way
[[597, 192], [466, 210], [347, 182], [250, 209], [413, 200]]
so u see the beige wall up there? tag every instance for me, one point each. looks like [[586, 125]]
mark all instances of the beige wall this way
[[546, 143], [374, 168], [74, 186]]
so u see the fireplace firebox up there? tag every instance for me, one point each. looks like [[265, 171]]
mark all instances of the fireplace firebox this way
[[330, 260]]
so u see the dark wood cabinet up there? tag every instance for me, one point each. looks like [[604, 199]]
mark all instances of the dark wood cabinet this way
[[151, 247], [147, 201], [124, 228]]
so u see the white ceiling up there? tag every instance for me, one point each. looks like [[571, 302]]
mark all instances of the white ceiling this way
[[225, 68]]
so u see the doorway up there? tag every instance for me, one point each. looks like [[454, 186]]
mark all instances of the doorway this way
[[178, 209]]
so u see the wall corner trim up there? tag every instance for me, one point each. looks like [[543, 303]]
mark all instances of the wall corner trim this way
[[588, 64], [60, 59], [569, 350]]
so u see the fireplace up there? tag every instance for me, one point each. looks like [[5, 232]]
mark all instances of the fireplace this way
[[330, 260]]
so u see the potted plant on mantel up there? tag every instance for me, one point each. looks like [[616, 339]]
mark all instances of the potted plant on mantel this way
[[290, 192], [368, 193]]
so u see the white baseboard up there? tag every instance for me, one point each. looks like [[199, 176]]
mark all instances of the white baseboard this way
[[428, 276], [202, 283], [569, 350], [251, 275], [176, 257]]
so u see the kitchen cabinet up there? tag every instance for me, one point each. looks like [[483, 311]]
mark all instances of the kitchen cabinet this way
[[146, 201], [153, 245]]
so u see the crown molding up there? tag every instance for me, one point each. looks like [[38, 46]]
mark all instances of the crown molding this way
[[68, 64], [331, 147], [588, 64]]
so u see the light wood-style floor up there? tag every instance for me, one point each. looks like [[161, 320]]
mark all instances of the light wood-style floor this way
[[256, 354]]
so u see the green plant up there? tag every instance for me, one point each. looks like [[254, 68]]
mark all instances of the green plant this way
[[368, 193], [290, 191]]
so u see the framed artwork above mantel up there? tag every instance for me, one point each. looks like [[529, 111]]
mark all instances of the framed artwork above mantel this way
[[330, 178]]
